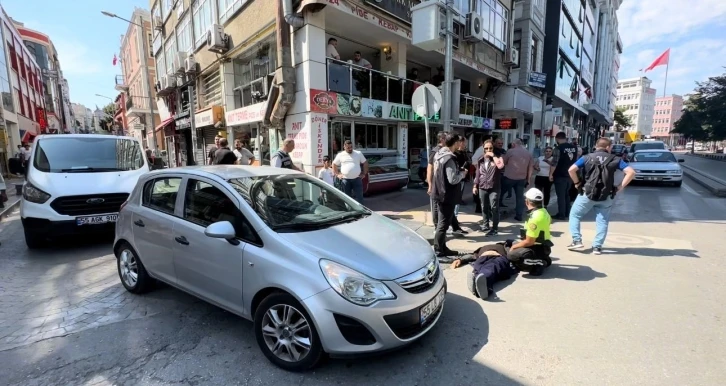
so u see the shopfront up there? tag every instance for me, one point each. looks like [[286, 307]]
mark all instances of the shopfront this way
[[207, 124], [245, 124]]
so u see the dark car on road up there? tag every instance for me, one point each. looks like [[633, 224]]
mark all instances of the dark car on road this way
[[619, 150]]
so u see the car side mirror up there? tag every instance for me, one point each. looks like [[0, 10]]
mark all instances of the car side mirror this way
[[221, 230], [681, 160]]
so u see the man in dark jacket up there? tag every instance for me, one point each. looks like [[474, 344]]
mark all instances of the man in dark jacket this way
[[564, 155], [224, 156], [487, 184], [463, 161], [441, 138], [445, 192]]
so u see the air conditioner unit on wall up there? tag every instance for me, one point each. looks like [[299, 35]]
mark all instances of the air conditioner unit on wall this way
[[217, 40], [511, 57], [473, 31], [171, 81], [163, 83], [179, 62], [190, 65], [158, 23]]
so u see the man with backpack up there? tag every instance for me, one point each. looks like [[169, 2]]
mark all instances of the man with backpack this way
[[597, 191]]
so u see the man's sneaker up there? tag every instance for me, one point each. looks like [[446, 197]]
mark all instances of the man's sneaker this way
[[597, 250], [575, 245], [492, 232], [460, 232], [471, 283], [485, 227], [481, 286]]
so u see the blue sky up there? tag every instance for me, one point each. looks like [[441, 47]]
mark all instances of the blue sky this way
[[85, 40], [693, 29]]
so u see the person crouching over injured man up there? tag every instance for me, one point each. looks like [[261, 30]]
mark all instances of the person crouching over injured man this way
[[496, 262]]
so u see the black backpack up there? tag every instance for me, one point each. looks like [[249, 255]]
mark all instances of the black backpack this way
[[599, 181]]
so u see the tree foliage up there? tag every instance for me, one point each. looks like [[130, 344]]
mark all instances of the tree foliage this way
[[704, 117], [108, 112], [621, 120]]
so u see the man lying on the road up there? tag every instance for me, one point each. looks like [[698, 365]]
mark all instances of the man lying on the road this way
[[496, 262]]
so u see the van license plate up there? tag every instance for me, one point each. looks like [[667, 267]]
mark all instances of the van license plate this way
[[91, 220], [431, 307]]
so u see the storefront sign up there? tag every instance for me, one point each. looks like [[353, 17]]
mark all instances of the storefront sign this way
[[246, 115], [208, 117], [298, 129], [323, 101], [362, 13], [349, 105], [506, 124], [400, 9], [320, 131], [182, 120], [403, 145], [557, 111], [537, 79], [372, 108], [310, 133]]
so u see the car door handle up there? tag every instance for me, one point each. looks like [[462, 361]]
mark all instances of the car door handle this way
[[139, 223], [181, 240]]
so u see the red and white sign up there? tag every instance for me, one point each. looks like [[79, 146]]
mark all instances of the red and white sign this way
[[297, 128], [246, 115], [319, 124]]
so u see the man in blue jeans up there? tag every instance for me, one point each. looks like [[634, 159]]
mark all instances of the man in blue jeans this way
[[597, 191], [518, 166], [350, 166]]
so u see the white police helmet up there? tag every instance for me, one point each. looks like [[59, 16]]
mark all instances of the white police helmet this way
[[534, 194]]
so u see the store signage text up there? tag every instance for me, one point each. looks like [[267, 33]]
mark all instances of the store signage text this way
[[403, 145], [406, 113], [320, 127], [506, 124], [400, 9], [392, 7], [537, 79], [246, 115], [208, 117]]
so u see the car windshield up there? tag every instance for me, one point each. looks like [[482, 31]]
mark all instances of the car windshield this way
[[618, 148], [656, 156], [87, 155], [297, 203], [648, 146]]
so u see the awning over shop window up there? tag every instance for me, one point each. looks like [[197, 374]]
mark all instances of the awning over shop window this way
[[28, 137], [165, 123]]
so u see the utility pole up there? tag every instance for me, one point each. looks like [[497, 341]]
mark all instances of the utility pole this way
[[448, 66]]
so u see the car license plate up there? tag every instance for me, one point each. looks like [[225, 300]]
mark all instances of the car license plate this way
[[652, 178], [431, 307], [91, 220]]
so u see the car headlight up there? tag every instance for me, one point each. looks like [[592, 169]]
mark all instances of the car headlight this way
[[33, 194], [674, 172], [354, 286]]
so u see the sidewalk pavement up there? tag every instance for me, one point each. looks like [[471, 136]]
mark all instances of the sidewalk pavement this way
[[13, 197], [709, 173]]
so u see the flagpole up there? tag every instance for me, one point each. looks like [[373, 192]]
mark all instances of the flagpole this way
[[665, 83]]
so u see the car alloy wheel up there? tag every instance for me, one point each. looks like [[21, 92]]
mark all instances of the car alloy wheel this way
[[128, 268], [287, 333]]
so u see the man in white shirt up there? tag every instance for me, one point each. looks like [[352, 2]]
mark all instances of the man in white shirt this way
[[331, 51], [244, 156], [359, 61], [347, 167]]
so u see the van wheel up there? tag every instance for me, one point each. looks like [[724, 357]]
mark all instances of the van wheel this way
[[33, 240], [286, 333], [131, 271]]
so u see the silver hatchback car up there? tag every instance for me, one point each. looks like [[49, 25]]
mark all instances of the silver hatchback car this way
[[315, 271]]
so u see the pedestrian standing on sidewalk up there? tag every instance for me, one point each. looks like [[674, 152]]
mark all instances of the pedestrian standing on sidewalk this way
[[441, 140], [282, 159], [446, 192], [223, 155], [463, 161], [326, 173], [475, 161], [244, 156], [598, 191], [423, 163], [518, 172], [210, 156], [487, 183], [564, 155], [351, 166], [542, 178]]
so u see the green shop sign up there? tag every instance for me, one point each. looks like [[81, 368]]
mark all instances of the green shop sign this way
[[406, 113]]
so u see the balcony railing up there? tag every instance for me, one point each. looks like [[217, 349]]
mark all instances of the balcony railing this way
[[347, 78], [121, 83]]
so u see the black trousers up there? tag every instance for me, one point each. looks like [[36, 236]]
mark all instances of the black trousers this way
[[444, 218], [545, 185], [532, 260], [495, 269], [490, 206]]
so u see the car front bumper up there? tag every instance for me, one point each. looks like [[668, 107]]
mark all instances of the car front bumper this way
[[43, 220], [658, 177], [347, 329]]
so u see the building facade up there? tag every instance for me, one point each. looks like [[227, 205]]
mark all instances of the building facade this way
[[56, 94], [221, 85], [23, 107], [138, 121], [667, 111], [83, 118], [637, 99]]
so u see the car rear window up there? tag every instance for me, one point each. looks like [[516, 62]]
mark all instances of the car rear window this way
[[648, 145]]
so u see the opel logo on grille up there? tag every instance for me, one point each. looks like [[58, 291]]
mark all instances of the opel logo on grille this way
[[430, 271], [95, 201]]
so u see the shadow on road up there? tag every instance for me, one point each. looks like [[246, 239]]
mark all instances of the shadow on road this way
[[652, 252], [570, 272]]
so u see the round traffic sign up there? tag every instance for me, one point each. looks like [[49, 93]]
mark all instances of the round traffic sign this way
[[426, 100]]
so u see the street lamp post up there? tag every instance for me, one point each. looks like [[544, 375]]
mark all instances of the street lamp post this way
[[145, 50]]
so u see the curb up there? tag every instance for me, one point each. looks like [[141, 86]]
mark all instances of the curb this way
[[8, 208], [715, 187]]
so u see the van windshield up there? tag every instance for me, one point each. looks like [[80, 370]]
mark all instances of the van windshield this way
[[87, 155]]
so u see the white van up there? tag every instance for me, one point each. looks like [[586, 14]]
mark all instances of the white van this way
[[76, 183]]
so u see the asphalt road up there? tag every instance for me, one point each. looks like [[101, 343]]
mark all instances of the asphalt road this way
[[709, 167], [649, 311]]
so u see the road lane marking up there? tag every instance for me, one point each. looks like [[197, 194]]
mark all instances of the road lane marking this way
[[689, 189], [674, 209]]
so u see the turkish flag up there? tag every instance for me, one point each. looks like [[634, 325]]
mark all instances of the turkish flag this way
[[660, 61], [114, 59]]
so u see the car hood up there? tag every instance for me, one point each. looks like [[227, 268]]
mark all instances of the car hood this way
[[375, 246], [73, 184], [655, 166]]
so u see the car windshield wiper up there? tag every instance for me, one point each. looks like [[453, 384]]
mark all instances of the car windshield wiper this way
[[296, 226]]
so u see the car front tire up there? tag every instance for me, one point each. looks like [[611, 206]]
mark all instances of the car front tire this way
[[33, 240], [286, 334], [131, 270]]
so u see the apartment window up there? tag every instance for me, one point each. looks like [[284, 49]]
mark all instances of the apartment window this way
[[495, 24], [160, 65], [250, 74], [170, 52], [533, 55], [517, 44], [155, 14], [164, 9], [150, 44], [184, 35], [202, 20], [212, 84], [227, 8]]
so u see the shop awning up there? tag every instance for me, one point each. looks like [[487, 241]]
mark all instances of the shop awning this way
[[166, 122], [28, 137]]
